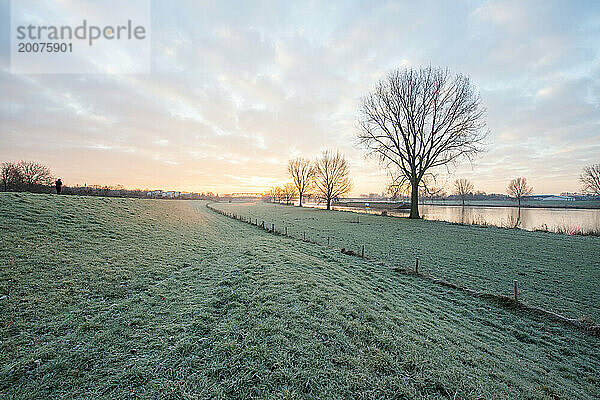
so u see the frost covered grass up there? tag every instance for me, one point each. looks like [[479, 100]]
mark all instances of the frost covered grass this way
[[122, 298], [556, 272]]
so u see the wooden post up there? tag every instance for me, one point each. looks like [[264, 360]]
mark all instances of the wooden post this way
[[304, 235], [327, 240], [286, 231], [273, 228], [417, 266], [515, 287], [362, 251]]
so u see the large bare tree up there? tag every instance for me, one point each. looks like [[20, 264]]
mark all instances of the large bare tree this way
[[518, 188], [590, 179], [35, 173], [415, 120], [301, 171], [332, 176], [462, 188]]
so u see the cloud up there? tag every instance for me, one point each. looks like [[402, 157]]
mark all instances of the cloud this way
[[239, 87]]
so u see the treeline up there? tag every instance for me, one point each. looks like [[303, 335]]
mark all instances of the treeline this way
[[34, 177], [327, 178], [104, 191], [26, 176]]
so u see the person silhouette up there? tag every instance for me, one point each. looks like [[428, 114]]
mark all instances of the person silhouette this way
[[58, 184]]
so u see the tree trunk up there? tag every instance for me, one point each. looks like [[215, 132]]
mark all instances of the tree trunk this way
[[414, 201], [329, 204], [463, 199], [300, 204]]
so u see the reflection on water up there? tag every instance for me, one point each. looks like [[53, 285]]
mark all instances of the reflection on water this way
[[552, 219]]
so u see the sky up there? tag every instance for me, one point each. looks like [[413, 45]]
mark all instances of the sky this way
[[238, 88]]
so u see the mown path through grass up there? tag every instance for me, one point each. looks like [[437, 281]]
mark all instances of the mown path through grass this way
[[120, 298]]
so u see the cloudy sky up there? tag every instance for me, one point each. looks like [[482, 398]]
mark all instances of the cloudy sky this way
[[237, 88]]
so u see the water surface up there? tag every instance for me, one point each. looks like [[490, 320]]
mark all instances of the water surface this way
[[553, 219]]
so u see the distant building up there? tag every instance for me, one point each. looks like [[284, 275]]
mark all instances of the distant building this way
[[171, 194], [246, 195], [155, 193], [555, 198]]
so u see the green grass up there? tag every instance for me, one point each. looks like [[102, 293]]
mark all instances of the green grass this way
[[123, 298], [556, 272]]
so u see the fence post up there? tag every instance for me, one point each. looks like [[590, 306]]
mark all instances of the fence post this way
[[286, 231], [362, 251], [327, 240], [273, 228], [515, 287], [417, 266]]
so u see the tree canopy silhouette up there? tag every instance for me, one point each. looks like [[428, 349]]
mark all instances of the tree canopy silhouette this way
[[332, 176], [415, 120], [590, 179]]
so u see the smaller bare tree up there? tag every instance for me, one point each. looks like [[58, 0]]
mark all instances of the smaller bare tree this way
[[462, 188], [590, 179], [277, 194], [332, 176], [289, 192], [35, 174], [11, 176], [518, 189], [301, 171]]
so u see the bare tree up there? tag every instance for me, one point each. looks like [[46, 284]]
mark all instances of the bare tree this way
[[301, 171], [35, 174], [397, 187], [289, 192], [462, 188], [418, 119], [590, 179], [11, 176], [276, 194], [332, 178], [518, 189], [429, 187], [400, 187]]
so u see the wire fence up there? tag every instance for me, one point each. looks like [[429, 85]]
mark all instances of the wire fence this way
[[351, 247]]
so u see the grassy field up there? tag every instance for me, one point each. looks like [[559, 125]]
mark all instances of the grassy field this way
[[123, 298], [557, 272]]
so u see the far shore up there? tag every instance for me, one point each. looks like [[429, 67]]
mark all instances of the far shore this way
[[388, 205]]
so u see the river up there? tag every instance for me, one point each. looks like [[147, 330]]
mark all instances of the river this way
[[562, 220]]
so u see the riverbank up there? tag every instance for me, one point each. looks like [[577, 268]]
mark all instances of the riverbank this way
[[570, 221], [560, 273], [381, 205]]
